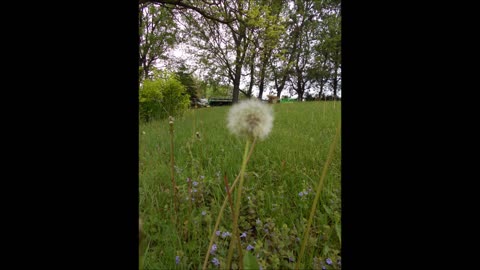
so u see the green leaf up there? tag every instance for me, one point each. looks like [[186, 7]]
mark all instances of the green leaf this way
[[339, 231], [249, 261]]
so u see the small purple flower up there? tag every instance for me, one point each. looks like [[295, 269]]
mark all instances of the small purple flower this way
[[260, 267], [329, 261], [195, 183], [204, 213], [249, 247], [225, 234], [215, 262], [177, 260], [214, 248], [323, 267], [291, 259], [217, 233], [300, 194], [194, 190], [243, 235]]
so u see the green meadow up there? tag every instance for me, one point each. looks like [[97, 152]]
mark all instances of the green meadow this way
[[280, 182]]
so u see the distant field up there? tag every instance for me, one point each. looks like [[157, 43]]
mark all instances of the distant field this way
[[275, 208]]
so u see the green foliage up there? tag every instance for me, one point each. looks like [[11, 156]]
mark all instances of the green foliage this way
[[249, 261], [150, 98], [219, 90], [162, 97]]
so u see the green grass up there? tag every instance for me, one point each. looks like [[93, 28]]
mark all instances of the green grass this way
[[288, 162]]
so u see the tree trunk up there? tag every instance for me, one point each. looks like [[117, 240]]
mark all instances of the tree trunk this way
[[262, 74], [236, 83]]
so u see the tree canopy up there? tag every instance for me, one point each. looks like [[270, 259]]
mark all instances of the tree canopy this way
[[271, 46]]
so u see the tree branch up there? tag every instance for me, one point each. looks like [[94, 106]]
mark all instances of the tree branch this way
[[181, 3]]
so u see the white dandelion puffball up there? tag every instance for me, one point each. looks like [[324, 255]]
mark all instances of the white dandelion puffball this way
[[250, 118]]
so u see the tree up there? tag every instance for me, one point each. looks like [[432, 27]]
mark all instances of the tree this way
[[188, 81], [222, 47], [156, 34]]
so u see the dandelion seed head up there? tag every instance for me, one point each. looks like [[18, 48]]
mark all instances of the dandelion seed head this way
[[250, 118]]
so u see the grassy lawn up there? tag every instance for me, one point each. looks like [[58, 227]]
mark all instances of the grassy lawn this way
[[279, 188]]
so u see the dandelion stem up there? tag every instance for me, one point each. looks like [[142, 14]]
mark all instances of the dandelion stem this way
[[237, 209], [172, 164], [220, 214], [317, 196], [239, 245]]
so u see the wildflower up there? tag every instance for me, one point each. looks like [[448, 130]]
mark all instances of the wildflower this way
[[329, 261], [194, 190], [243, 235], [215, 262], [225, 234], [214, 248], [195, 183], [177, 259], [323, 267], [217, 233], [300, 194], [250, 118], [249, 247], [204, 213], [291, 259]]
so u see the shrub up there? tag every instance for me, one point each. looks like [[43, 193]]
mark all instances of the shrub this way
[[162, 97]]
